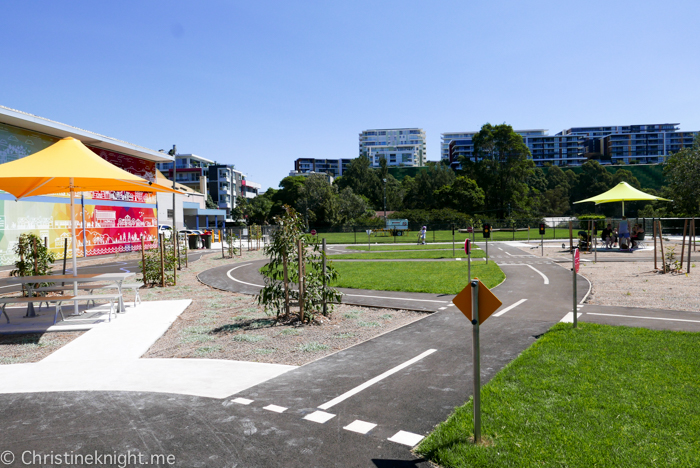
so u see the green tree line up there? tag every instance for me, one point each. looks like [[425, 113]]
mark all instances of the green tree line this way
[[500, 182]]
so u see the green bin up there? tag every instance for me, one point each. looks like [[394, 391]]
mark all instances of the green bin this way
[[206, 240], [193, 241]]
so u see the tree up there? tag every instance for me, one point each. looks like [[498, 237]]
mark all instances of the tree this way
[[501, 167], [623, 175], [419, 190], [682, 172], [593, 180], [351, 207], [463, 195], [210, 203], [362, 179]]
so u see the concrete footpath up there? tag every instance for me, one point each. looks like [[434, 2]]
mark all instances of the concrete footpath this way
[[107, 357]]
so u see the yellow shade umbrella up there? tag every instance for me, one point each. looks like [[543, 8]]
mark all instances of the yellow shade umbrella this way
[[69, 166], [622, 192]]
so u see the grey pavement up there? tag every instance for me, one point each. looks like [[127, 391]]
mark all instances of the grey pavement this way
[[363, 406]]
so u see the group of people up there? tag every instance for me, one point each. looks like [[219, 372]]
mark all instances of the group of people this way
[[622, 235]]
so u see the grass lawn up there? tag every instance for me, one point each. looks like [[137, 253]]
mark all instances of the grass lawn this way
[[428, 277], [599, 396], [459, 246], [459, 253], [440, 236]]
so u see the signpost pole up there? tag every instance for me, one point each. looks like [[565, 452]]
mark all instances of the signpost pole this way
[[325, 305], [453, 241], [468, 251], [542, 245], [476, 357], [369, 242], [574, 255], [487, 251]]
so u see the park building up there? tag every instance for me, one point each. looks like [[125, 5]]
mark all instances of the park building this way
[[401, 147], [109, 222]]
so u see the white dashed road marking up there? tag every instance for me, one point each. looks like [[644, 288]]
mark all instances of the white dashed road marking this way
[[319, 417], [501, 312], [371, 382], [361, 427], [242, 401], [406, 438], [275, 408]]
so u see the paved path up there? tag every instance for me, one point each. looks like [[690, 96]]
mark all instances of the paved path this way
[[363, 406]]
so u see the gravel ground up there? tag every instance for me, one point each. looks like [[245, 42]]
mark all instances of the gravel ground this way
[[225, 325], [16, 349]]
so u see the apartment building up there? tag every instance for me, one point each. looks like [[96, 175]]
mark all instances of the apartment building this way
[[560, 150], [403, 147], [192, 171], [334, 167], [226, 185]]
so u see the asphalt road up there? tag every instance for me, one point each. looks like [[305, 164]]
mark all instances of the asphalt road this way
[[396, 387]]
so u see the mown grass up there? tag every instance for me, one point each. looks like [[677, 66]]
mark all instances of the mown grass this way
[[428, 277], [595, 396], [459, 253], [440, 236], [459, 246]]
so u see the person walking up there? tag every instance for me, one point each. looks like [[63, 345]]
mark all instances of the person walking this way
[[421, 238]]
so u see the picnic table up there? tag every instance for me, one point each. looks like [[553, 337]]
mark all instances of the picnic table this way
[[30, 281]]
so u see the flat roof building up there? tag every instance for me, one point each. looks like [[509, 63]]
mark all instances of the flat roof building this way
[[402, 147]]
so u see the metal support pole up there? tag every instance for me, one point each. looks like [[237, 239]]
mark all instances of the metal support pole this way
[[325, 305], [487, 251], [476, 357], [161, 238], [453, 241], [542, 245], [74, 241], [469, 263], [301, 280], [692, 230], [573, 269], [174, 263]]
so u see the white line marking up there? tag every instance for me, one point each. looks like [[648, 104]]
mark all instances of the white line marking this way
[[510, 254], [442, 308], [546, 280], [373, 381], [500, 248], [319, 417], [568, 318], [361, 427], [275, 408], [458, 259], [9, 286], [648, 318], [509, 308], [242, 401], [406, 438], [228, 273]]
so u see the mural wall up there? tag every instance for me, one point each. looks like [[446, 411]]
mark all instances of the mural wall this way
[[108, 229]]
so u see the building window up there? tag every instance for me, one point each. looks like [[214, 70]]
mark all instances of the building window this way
[[170, 214]]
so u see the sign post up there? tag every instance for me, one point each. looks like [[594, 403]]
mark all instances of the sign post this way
[[487, 235], [543, 228], [577, 264], [477, 303], [369, 242], [453, 241], [468, 251]]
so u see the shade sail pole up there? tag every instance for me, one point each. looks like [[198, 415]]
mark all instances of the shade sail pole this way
[[623, 207], [74, 242]]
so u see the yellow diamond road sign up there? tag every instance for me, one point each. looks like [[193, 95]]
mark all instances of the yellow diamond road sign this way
[[488, 302]]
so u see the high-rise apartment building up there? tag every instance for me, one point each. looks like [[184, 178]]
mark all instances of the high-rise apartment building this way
[[572, 147], [557, 149], [334, 167], [192, 171], [399, 146], [227, 184]]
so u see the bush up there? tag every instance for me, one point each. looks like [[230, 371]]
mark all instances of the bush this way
[[151, 270], [35, 259]]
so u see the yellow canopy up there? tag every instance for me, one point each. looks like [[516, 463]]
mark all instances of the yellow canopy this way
[[622, 192], [51, 170]]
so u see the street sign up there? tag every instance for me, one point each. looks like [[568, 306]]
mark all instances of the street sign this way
[[488, 302], [369, 232], [467, 247], [313, 232], [577, 261]]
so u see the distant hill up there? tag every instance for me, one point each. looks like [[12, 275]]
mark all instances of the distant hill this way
[[649, 175]]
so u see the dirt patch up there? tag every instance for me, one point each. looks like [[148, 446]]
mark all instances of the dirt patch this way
[[16, 349]]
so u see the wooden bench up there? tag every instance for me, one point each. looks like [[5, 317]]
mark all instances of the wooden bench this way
[[57, 300]]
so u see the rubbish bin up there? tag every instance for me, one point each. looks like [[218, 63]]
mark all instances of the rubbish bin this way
[[193, 241], [206, 240]]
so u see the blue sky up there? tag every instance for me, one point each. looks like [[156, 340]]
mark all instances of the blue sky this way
[[259, 84]]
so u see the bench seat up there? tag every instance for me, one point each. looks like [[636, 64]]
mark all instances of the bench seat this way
[[58, 300]]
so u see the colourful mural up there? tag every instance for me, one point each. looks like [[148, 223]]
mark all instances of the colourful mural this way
[[108, 229]]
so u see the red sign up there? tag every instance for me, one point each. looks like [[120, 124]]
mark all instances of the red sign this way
[[313, 232], [577, 260], [467, 246]]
